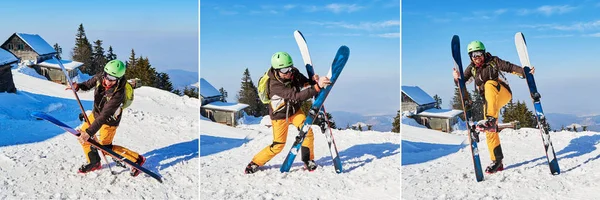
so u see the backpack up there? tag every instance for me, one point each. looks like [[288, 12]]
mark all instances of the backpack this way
[[128, 94], [263, 88]]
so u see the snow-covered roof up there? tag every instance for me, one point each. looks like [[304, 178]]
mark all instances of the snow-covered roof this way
[[218, 105], [69, 64], [7, 57], [207, 90], [417, 95], [442, 113], [37, 43]]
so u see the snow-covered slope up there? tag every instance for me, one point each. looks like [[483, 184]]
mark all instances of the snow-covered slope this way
[[39, 160], [438, 165], [370, 161]]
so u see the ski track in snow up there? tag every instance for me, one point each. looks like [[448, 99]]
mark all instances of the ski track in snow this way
[[39, 160], [370, 162], [442, 168]]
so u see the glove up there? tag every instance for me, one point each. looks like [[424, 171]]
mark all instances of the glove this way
[[81, 118]]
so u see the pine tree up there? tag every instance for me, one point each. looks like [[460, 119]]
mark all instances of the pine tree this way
[[98, 58], [248, 94], [58, 50], [584, 128], [456, 102], [562, 128], [569, 129], [177, 92], [477, 106], [574, 128], [438, 101], [396, 123], [306, 106], [191, 92], [519, 112], [369, 127], [163, 82], [360, 127], [348, 126], [82, 51], [224, 93], [110, 55], [330, 120]]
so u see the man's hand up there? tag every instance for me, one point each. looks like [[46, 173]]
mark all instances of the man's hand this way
[[83, 137], [75, 86], [455, 74], [323, 82], [532, 70]]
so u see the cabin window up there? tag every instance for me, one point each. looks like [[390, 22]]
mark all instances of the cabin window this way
[[20, 47], [10, 46]]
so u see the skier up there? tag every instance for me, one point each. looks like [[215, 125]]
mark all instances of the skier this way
[[288, 88], [109, 94], [486, 70]]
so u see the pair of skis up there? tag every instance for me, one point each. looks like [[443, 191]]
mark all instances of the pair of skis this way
[[337, 66], [93, 142], [521, 46]]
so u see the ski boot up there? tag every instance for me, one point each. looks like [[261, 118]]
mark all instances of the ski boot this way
[[90, 167], [251, 168], [310, 165], [140, 161], [487, 125], [118, 163], [496, 166]]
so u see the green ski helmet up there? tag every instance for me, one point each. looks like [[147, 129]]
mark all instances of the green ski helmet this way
[[281, 60], [115, 68], [475, 46]]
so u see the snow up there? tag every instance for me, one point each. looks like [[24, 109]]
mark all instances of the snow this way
[[417, 95], [438, 165], [411, 122], [227, 106], [370, 161], [39, 160], [68, 64], [443, 113], [37, 43], [7, 57], [207, 90], [25, 70]]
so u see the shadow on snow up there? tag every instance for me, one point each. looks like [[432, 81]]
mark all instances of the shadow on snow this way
[[420, 152], [19, 127], [210, 144], [577, 147], [170, 155]]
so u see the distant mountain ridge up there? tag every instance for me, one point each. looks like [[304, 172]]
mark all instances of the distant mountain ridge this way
[[558, 120], [380, 122]]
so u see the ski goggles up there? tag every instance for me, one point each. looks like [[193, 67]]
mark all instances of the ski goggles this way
[[286, 70], [109, 77], [476, 54]]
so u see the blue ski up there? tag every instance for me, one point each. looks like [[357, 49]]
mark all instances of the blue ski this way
[[337, 162], [537, 104], [110, 152], [337, 66], [463, 97]]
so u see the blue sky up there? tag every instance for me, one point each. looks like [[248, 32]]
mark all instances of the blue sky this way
[[165, 31], [562, 38], [236, 35]]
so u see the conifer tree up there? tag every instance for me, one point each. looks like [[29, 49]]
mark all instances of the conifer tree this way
[[58, 50], [248, 94], [82, 52], [224, 93], [396, 123], [98, 58], [110, 55]]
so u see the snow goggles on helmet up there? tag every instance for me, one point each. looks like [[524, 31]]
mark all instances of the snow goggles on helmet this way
[[285, 70], [109, 77], [475, 54]]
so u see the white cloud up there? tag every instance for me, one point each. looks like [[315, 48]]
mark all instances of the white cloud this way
[[594, 35], [289, 6], [387, 35], [368, 26], [338, 8], [335, 8], [577, 26], [547, 10]]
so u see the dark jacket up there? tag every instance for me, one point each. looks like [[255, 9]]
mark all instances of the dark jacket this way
[[107, 103], [491, 70], [287, 96]]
